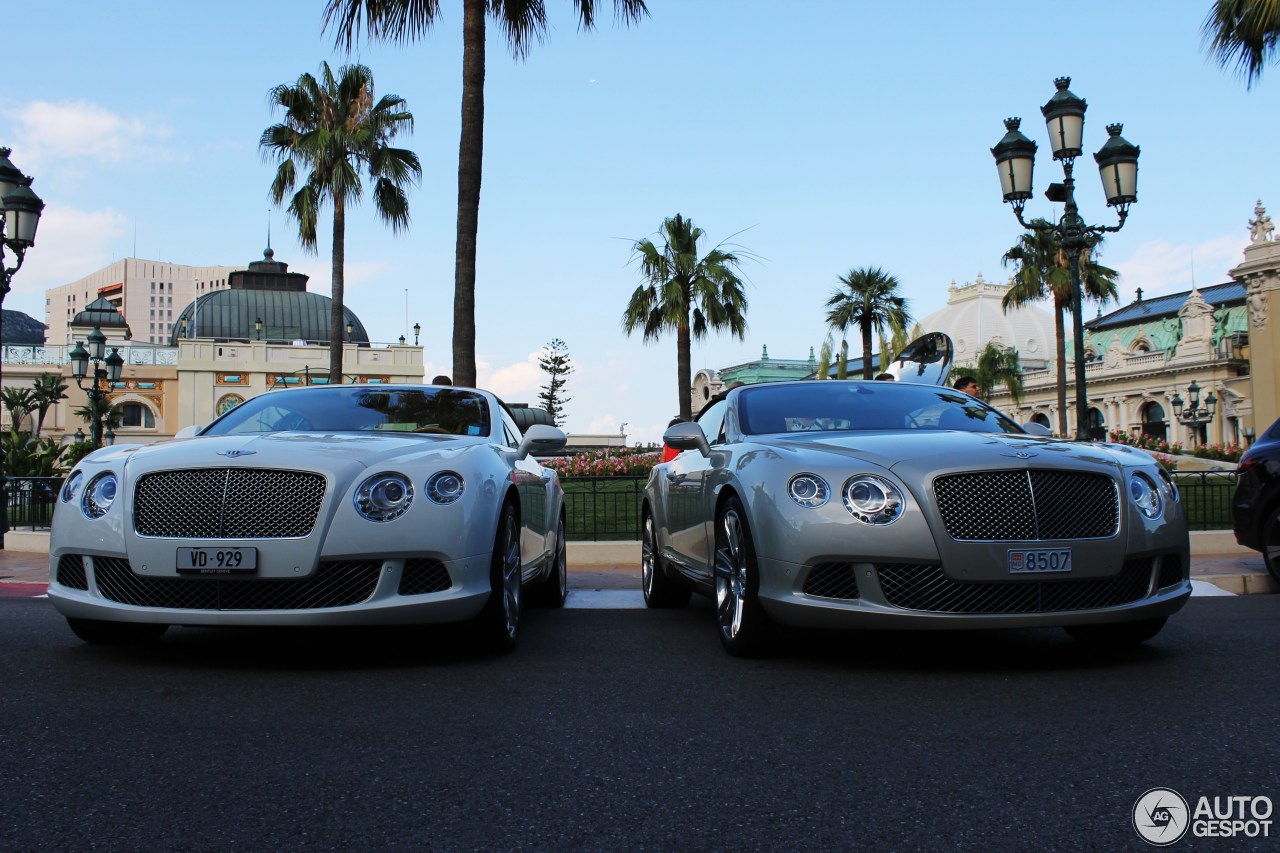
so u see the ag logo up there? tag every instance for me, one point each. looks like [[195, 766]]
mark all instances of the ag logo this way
[[1161, 816]]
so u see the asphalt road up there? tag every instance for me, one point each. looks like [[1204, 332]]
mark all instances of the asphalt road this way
[[627, 730]]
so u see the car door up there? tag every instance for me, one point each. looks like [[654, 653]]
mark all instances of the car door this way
[[530, 482], [692, 506]]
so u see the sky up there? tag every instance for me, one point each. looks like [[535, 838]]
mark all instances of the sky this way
[[811, 137]]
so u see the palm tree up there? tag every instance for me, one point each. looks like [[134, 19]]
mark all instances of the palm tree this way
[[1042, 272], [686, 294], [48, 389], [995, 365], [111, 414], [333, 127], [870, 301], [19, 402], [521, 21], [1243, 33]]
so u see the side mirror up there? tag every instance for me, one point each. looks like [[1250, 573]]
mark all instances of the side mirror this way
[[188, 431], [686, 436], [1033, 428], [541, 439]]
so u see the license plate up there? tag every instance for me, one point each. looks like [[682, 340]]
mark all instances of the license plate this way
[[217, 561], [1037, 560]]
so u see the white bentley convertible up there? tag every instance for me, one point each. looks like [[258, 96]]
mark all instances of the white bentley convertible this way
[[330, 505]]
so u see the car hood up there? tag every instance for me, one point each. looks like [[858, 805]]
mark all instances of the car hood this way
[[287, 450], [920, 452]]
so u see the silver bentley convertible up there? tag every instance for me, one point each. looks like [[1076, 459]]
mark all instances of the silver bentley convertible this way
[[329, 505], [864, 504]]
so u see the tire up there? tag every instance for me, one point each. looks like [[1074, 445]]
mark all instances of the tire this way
[[1117, 634], [101, 633], [498, 625], [554, 588], [660, 591], [745, 629], [1271, 542]]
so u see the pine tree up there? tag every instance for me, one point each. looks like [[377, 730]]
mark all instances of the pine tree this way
[[556, 362]]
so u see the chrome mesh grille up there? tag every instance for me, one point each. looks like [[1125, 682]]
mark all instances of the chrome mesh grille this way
[[335, 584], [71, 572], [227, 503], [423, 576], [832, 580], [1027, 506], [927, 588]]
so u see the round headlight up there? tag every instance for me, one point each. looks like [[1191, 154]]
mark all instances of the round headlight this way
[[445, 487], [71, 487], [873, 500], [808, 490], [1145, 495], [384, 496], [99, 496]]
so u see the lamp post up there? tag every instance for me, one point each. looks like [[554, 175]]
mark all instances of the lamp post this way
[[417, 330], [1117, 164], [21, 210], [350, 328], [257, 327], [106, 372], [1191, 413]]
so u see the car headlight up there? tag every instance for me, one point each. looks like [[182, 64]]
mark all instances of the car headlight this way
[[445, 487], [1145, 495], [808, 490], [873, 500], [1169, 486], [71, 487], [100, 495], [384, 497]]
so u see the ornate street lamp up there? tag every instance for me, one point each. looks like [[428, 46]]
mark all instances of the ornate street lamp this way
[[350, 328], [402, 340], [1117, 165], [21, 209], [417, 330], [1191, 414], [105, 373], [257, 327]]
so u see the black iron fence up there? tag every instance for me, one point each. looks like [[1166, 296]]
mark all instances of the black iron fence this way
[[30, 503], [1206, 495], [602, 508]]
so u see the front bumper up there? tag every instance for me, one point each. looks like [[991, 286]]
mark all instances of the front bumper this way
[[856, 594], [391, 591]]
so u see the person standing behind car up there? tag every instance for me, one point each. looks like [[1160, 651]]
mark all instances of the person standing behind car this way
[[968, 385]]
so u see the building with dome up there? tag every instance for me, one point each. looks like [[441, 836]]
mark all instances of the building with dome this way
[[238, 335], [974, 316]]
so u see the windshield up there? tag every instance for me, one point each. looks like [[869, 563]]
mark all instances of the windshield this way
[[836, 406], [448, 411]]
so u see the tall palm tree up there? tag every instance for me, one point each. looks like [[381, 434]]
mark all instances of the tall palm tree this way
[[870, 300], [521, 21], [333, 127], [1041, 271], [1243, 33], [686, 294], [47, 389]]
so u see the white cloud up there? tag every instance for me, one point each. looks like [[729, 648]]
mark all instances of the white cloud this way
[[69, 243], [65, 132], [1160, 267], [515, 383]]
